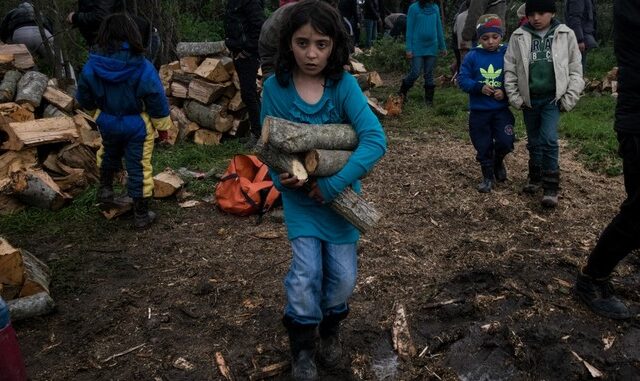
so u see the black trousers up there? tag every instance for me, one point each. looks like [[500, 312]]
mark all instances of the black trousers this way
[[622, 235], [247, 69]]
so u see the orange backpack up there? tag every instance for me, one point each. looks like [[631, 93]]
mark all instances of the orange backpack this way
[[245, 187]]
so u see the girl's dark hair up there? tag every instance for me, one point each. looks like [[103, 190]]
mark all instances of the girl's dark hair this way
[[423, 3], [117, 29], [326, 20]]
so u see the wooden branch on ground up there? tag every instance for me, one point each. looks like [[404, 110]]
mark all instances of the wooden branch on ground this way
[[37, 132], [323, 163], [222, 366], [184, 49], [31, 87], [295, 137], [31, 306], [401, 335], [9, 85]]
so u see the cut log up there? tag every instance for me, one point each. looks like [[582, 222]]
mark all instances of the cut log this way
[[87, 135], [236, 104], [348, 204], [120, 206], [21, 57], [227, 62], [50, 164], [190, 64], [184, 49], [37, 188], [37, 275], [205, 116], [374, 79], [58, 98], [179, 90], [166, 184], [80, 156], [295, 137], [9, 85], [379, 110], [31, 306], [213, 70], [363, 81], [10, 205], [322, 163], [15, 112], [31, 87], [182, 77], [240, 127], [74, 183], [52, 111], [357, 67], [205, 92], [15, 161], [185, 127], [11, 265], [37, 132], [224, 124], [207, 137]]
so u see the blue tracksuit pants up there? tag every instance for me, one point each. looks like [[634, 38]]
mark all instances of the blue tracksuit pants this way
[[491, 133]]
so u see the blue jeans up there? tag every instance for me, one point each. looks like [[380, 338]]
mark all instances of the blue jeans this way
[[420, 63], [371, 32], [541, 121], [491, 133], [320, 280]]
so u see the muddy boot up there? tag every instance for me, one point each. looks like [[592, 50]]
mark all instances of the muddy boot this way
[[534, 181], [487, 180], [598, 295], [499, 170], [404, 89], [142, 216], [551, 185], [105, 194], [330, 351], [302, 342], [428, 95]]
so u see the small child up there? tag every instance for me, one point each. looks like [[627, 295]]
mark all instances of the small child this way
[[311, 86], [490, 120], [543, 76], [122, 90]]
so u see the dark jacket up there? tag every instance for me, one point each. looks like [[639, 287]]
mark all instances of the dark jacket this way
[[242, 23], [626, 21], [90, 14], [371, 10], [580, 16], [22, 15], [348, 9]]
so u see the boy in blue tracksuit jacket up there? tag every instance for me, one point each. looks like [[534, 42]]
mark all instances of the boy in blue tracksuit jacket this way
[[490, 120]]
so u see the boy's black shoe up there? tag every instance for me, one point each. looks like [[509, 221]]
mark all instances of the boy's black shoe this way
[[532, 187], [598, 295], [303, 367], [105, 195], [428, 95], [142, 216], [485, 186], [330, 351], [302, 342], [550, 198], [499, 170], [534, 181]]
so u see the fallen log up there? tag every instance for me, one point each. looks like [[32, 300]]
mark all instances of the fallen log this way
[[401, 335], [31, 306], [206, 137], [184, 49], [348, 204], [295, 137], [9, 85], [322, 162], [31, 87], [37, 132]]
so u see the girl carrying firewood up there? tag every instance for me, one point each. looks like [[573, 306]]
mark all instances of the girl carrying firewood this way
[[311, 86], [122, 90]]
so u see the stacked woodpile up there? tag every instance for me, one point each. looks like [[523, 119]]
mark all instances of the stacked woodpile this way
[[47, 148], [607, 85], [366, 81], [21, 273]]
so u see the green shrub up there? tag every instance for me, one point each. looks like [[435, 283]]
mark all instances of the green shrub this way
[[387, 55]]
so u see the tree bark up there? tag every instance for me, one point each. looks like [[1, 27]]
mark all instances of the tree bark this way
[[204, 116], [281, 162], [185, 49], [30, 306], [205, 92], [31, 87], [295, 137], [37, 188], [322, 163], [9, 85], [37, 275]]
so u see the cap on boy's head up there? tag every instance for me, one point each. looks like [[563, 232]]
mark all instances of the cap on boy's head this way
[[489, 24], [541, 6]]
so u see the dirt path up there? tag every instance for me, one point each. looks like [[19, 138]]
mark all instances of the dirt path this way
[[200, 282]]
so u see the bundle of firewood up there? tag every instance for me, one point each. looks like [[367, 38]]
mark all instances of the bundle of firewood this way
[[366, 81], [47, 153], [608, 84]]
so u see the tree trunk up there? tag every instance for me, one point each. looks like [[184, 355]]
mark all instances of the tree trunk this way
[[295, 137], [9, 85], [185, 49], [31, 87], [322, 163]]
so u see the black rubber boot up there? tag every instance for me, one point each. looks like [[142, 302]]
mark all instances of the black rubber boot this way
[[142, 216], [105, 194], [330, 351], [302, 342], [428, 95], [499, 170], [550, 185], [487, 180], [534, 181], [598, 295], [404, 89]]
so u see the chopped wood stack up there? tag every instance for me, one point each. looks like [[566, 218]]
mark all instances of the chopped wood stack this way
[[367, 80], [47, 154], [21, 273], [608, 84]]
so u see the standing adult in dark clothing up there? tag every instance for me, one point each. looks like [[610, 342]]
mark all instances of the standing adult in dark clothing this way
[[372, 18], [476, 9], [349, 10], [243, 21], [90, 14], [622, 235], [580, 16], [20, 26]]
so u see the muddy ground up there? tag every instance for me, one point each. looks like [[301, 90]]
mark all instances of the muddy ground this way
[[201, 282]]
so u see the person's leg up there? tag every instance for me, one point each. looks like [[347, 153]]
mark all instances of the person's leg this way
[[368, 28], [531, 118], [340, 268], [137, 157], [410, 79], [429, 85], [549, 118], [503, 136], [480, 134], [303, 313], [356, 32], [247, 69], [109, 162]]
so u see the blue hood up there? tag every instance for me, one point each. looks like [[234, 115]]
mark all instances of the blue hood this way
[[116, 67]]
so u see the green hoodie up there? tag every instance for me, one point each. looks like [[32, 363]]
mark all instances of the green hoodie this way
[[542, 82]]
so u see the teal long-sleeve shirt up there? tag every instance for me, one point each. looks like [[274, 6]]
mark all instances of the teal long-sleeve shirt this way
[[425, 36], [341, 102]]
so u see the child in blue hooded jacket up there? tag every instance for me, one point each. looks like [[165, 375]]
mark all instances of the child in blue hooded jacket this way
[[490, 120], [123, 92]]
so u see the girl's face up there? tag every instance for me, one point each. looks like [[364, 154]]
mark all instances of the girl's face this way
[[540, 20], [311, 50], [490, 41]]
